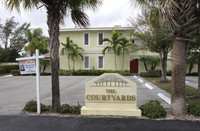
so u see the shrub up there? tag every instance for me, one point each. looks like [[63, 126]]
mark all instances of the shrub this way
[[76, 109], [91, 72], [32, 107], [65, 108], [194, 109], [156, 73], [169, 73], [153, 109], [7, 68], [194, 106], [192, 74], [15, 72], [63, 72]]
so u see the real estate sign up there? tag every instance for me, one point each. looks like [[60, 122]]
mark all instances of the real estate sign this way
[[111, 94], [27, 67]]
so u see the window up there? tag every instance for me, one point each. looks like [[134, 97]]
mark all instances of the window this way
[[100, 38], [86, 62], [86, 39], [100, 62]]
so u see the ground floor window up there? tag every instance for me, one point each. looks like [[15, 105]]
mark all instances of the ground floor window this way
[[100, 62], [86, 62]]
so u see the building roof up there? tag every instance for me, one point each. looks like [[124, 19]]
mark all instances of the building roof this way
[[117, 27]]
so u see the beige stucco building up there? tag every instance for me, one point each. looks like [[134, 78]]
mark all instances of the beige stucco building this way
[[90, 40]]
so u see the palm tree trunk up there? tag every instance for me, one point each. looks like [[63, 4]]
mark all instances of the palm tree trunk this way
[[163, 61], [73, 65], [115, 62], [145, 65], [44, 68], [53, 21], [178, 98], [198, 93], [190, 68], [70, 73], [122, 62]]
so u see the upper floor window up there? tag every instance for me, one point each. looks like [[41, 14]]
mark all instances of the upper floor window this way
[[100, 38], [86, 37]]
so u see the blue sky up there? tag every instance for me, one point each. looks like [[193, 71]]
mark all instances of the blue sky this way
[[112, 12]]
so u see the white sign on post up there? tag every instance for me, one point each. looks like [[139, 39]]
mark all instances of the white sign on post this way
[[27, 67]]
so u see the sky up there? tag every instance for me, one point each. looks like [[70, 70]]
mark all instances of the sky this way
[[111, 12]]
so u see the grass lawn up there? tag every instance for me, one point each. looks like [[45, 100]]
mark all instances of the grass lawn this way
[[190, 91]]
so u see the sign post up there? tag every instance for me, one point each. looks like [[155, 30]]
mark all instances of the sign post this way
[[26, 68]]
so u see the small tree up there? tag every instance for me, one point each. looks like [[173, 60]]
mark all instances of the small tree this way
[[150, 60], [13, 36], [124, 46], [72, 51], [76, 54], [36, 40], [191, 60], [114, 44], [194, 50]]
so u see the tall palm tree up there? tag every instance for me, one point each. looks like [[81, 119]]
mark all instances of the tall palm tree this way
[[56, 10], [180, 18], [114, 42], [72, 51]]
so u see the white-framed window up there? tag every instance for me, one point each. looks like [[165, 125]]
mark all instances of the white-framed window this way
[[100, 38], [86, 64], [86, 39], [100, 62]]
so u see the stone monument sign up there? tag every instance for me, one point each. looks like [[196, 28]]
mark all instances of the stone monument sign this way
[[111, 94]]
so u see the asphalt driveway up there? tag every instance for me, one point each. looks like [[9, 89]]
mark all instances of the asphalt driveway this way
[[16, 91]]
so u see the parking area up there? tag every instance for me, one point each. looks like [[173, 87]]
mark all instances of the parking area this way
[[16, 91], [191, 81]]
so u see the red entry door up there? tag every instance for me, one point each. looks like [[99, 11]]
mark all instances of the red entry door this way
[[134, 66]]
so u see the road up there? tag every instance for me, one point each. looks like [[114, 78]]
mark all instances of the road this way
[[16, 91], [79, 123]]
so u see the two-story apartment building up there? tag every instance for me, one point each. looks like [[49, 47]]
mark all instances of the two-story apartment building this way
[[90, 39]]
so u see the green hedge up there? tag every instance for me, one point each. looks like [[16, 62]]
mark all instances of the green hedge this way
[[156, 73], [4, 69], [67, 109], [153, 109], [194, 106], [91, 72], [31, 106]]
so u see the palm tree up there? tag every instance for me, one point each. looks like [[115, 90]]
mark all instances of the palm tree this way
[[124, 44], [76, 53], [72, 51], [56, 10], [180, 18], [114, 42]]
